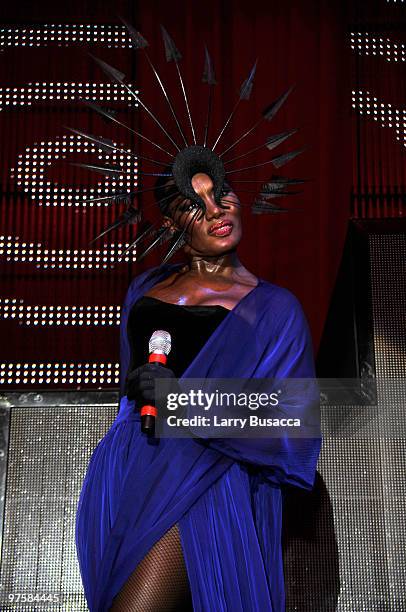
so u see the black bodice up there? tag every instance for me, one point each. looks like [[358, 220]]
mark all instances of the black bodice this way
[[190, 327]]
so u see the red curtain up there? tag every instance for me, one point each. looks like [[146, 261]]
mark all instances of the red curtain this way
[[379, 93]]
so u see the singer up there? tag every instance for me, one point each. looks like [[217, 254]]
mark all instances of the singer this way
[[182, 524]]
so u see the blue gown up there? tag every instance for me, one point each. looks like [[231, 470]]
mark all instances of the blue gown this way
[[229, 516]]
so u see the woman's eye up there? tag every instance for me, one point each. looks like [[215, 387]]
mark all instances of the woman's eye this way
[[188, 206], [224, 192], [185, 206]]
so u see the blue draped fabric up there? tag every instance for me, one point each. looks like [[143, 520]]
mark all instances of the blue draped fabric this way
[[223, 493]]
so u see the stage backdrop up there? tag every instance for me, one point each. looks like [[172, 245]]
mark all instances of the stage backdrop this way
[[61, 297]]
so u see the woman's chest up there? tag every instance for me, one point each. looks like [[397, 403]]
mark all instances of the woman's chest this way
[[188, 292]]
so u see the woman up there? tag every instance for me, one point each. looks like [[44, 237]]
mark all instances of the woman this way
[[161, 522]]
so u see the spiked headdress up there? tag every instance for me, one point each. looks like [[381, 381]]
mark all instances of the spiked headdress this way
[[189, 158]]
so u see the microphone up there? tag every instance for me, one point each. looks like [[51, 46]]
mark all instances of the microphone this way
[[159, 348]]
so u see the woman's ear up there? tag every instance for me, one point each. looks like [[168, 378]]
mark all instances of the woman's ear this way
[[168, 222]]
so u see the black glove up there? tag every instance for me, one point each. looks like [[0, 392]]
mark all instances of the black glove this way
[[140, 385]]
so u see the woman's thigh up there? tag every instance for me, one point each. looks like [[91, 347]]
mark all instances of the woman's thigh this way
[[160, 582]]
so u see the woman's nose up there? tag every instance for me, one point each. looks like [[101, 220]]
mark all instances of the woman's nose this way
[[212, 209]]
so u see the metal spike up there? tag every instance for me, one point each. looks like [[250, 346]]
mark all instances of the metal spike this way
[[268, 195], [146, 229], [104, 113], [208, 115], [267, 114], [171, 195], [246, 205], [181, 132], [276, 161], [270, 112], [261, 210], [248, 180], [246, 88], [271, 143], [110, 71], [274, 141], [278, 182], [118, 196], [210, 79], [157, 241], [281, 160], [104, 144], [130, 216], [186, 102], [137, 35], [155, 174], [137, 38], [113, 73], [178, 241], [208, 72], [276, 179], [106, 170], [274, 187], [109, 146], [238, 204], [172, 54], [263, 206]]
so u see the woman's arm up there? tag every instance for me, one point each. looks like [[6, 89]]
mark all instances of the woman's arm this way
[[137, 287]]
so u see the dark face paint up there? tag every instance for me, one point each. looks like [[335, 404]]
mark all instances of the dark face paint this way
[[199, 219]]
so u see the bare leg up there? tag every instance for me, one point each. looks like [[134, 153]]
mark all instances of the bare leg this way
[[160, 582]]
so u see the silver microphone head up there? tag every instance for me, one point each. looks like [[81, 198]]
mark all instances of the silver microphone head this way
[[160, 342]]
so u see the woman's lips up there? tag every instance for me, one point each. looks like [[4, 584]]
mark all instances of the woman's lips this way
[[224, 229]]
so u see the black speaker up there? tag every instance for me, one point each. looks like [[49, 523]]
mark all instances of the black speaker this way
[[368, 299], [345, 541]]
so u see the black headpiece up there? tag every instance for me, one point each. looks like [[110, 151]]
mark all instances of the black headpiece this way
[[188, 159]]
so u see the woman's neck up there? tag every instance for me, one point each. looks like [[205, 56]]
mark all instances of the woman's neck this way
[[206, 265]]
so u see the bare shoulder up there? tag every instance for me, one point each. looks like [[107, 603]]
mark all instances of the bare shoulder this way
[[248, 278], [166, 286]]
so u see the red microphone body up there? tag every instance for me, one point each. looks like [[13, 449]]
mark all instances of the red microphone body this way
[[159, 348]]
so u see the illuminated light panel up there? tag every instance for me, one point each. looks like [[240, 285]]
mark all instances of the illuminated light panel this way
[[370, 44], [58, 91], [65, 35], [59, 373], [32, 165], [49, 315], [385, 114], [11, 249]]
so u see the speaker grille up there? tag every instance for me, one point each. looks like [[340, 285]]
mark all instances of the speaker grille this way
[[49, 449]]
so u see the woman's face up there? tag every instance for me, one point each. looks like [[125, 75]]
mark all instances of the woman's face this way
[[213, 231]]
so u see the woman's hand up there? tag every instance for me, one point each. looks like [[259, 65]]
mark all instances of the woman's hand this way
[[140, 384]]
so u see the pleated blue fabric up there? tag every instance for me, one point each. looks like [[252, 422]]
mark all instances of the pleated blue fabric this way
[[224, 494]]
